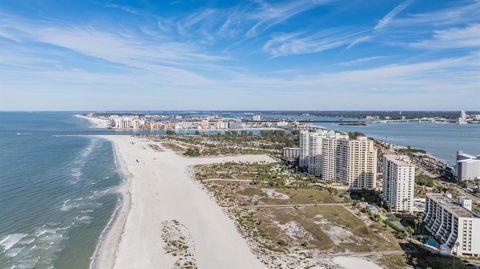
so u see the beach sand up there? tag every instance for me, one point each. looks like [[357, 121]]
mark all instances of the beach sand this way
[[158, 190], [96, 122], [354, 262]]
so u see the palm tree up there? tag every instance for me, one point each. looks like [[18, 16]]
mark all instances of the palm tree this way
[[410, 231], [416, 221], [456, 253]]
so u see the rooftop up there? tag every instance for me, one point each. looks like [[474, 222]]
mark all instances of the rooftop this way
[[468, 161], [401, 160], [451, 205]]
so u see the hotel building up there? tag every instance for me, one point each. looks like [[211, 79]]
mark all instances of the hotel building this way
[[398, 183], [468, 166], [453, 224]]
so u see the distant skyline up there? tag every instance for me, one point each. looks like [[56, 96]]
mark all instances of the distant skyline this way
[[240, 55]]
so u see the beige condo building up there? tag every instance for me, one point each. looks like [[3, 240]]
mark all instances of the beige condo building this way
[[350, 160]]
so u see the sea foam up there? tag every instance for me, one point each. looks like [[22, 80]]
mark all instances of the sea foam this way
[[11, 240]]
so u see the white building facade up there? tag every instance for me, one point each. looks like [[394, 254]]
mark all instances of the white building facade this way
[[291, 153], [453, 224], [398, 183], [304, 149], [315, 153], [351, 161], [127, 122], [468, 166]]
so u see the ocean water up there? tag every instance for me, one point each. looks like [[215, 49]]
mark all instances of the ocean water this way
[[57, 190]]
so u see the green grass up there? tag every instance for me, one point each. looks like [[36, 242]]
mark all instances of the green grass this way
[[394, 261], [261, 224], [396, 225], [372, 238]]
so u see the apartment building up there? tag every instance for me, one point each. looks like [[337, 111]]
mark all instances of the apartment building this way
[[398, 183], [304, 149], [350, 160], [315, 152], [453, 224], [291, 153], [127, 122]]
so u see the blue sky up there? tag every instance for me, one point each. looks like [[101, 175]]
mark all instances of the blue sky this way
[[187, 54]]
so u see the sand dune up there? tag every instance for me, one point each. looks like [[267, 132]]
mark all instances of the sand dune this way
[[159, 190]]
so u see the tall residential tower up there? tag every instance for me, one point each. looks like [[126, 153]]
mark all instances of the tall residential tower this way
[[398, 182], [350, 160]]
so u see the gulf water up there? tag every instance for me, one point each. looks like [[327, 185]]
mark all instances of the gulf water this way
[[57, 190]]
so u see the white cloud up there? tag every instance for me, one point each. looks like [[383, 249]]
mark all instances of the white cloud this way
[[123, 8], [452, 38], [361, 60], [413, 85], [392, 14], [384, 22], [270, 15], [167, 58], [155, 68], [198, 17], [459, 13], [299, 43]]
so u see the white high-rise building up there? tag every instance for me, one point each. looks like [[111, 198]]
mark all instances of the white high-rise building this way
[[468, 166], [398, 182], [463, 117], [311, 145], [453, 224], [315, 144], [304, 149], [352, 161], [127, 122]]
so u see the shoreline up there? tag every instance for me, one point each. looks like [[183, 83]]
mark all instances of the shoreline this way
[[159, 190], [109, 239], [95, 122]]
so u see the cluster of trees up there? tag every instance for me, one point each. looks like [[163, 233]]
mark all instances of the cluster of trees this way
[[192, 152], [288, 139], [424, 180], [355, 135], [409, 150], [170, 132], [281, 137]]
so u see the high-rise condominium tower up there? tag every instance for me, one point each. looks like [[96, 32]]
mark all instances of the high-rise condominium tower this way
[[398, 182], [350, 160]]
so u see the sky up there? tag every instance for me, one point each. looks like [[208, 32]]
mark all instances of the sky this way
[[240, 55]]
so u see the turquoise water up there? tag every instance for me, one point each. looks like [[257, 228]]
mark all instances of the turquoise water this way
[[441, 140], [57, 192], [433, 243]]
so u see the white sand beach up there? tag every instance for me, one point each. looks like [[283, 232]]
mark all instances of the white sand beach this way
[[354, 262], [96, 122], [159, 190]]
